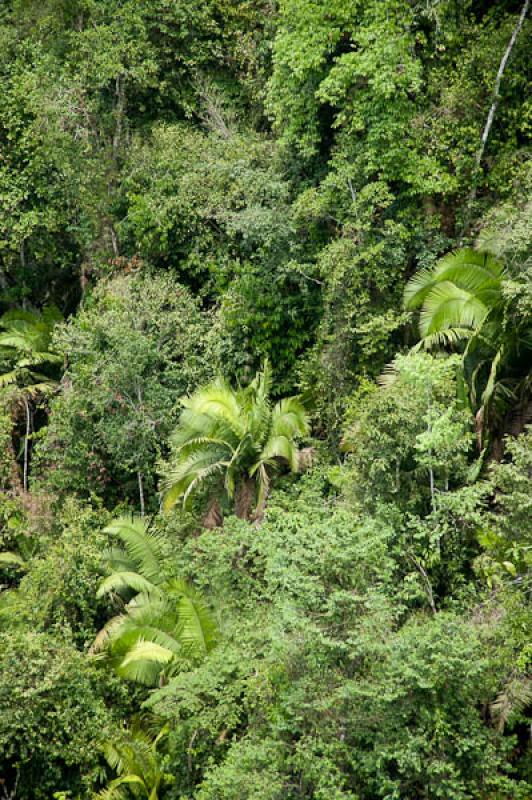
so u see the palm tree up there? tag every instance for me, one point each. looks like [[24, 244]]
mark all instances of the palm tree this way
[[232, 440], [25, 347], [456, 296], [462, 306], [164, 623], [138, 764]]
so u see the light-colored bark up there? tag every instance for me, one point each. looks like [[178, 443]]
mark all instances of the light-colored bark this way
[[495, 97]]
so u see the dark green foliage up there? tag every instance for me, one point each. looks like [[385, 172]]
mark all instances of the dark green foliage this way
[[216, 209], [419, 445], [136, 349], [203, 188], [52, 714], [317, 683], [507, 535], [59, 590]]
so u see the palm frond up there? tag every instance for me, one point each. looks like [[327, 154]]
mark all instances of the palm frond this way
[[488, 392], [513, 700], [218, 400], [186, 474], [449, 306], [118, 560], [9, 378], [146, 651], [103, 637], [120, 581], [198, 633], [224, 431], [289, 418], [447, 338], [201, 476], [279, 446], [142, 546], [117, 789], [11, 559], [470, 270]]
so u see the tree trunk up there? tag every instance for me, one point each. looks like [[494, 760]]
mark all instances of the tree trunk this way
[[141, 493], [426, 582], [26, 443], [213, 517], [245, 498], [260, 510], [494, 103]]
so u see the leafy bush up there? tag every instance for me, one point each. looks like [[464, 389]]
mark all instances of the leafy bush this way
[[135, 350], [52, 715]]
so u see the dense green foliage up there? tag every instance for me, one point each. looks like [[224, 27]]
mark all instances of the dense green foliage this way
[[265, 400]]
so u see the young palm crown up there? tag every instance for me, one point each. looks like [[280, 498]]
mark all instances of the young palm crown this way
[[233, 440], [164, 623]]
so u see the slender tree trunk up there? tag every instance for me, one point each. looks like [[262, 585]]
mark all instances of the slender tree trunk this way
[[397, 475], [495, 97], [119, 111], [141, 493], [26, 443], [431, 470], [139, 473], [10, 795], [426, 582], [432, 489], [14, 478]]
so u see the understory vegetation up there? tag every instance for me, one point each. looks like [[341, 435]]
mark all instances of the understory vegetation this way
[[265, 400]]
